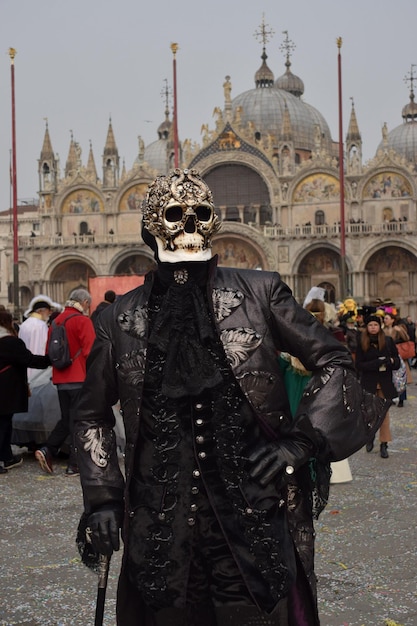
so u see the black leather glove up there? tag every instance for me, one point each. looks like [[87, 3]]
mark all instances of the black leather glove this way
[[103, 529], [285, 456]]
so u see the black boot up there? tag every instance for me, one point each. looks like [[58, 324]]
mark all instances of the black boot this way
[[384, 450], [370, 446]]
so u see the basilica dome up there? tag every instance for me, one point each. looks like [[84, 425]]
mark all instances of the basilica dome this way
[[403, 138], [267, 107], [290, 82], [156, 153]]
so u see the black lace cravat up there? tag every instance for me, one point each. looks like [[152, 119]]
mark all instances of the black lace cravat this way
[[184, 331]]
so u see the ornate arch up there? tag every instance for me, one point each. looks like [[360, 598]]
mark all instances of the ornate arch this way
[[378, 247], [386, 182], [81, 200], [320, 247], [140, 259], [267, 174], [250, 242]]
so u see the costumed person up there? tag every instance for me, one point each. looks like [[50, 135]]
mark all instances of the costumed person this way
[[376, 358], [216, 500], [15, 358]]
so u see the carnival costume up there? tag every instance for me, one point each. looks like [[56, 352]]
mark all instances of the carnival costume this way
[[216, 498]]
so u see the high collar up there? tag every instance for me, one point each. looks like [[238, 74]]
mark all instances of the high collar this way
[[185, 273]]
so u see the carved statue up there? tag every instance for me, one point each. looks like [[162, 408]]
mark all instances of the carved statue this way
[[237, 119], [227, 86], [206, 134], [141, 152], [219, 115]]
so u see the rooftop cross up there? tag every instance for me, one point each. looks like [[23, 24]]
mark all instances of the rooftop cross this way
[[165, 93], [265, 32], [410, 78], [288, 46]]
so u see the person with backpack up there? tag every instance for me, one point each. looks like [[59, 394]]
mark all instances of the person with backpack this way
[[70, 339]]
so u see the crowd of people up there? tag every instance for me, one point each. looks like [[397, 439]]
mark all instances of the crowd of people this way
[[23, 352], [380, 341]]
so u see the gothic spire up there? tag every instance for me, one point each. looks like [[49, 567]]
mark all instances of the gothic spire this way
[[353, 133], [91, 165], [72, 159], [47, 153]]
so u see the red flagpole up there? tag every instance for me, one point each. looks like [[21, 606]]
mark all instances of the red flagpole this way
[[343, 286], [12, 54], [174, 48]]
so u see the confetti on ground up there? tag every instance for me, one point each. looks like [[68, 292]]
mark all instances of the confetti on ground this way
[[366, 557]]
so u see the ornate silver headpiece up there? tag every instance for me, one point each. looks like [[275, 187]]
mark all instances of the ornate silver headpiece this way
[[179, 212]]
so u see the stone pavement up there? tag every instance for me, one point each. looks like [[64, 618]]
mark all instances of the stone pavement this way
[[366, 546]]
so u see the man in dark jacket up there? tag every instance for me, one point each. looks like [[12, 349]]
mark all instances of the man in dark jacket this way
[[109, 298], [216, 499]]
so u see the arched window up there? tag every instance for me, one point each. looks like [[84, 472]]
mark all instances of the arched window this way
[[319, 218], [235, 186]]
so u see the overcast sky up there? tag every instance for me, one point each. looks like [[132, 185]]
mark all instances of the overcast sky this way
[[80, 62]]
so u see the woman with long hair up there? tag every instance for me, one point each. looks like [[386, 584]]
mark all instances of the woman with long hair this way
[[376, 357]]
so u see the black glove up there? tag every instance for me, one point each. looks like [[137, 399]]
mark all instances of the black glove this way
[[286, 455], [103, 529]]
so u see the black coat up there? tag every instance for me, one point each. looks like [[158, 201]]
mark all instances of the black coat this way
[[368, 365], [15, 358], [255, 315]]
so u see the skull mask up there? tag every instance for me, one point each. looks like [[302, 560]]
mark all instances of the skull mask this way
[[179, 213]]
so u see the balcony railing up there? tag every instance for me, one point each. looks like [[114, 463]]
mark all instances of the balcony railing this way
[[75, 241], [361, 229], [323, 231]]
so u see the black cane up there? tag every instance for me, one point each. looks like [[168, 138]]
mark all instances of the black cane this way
[[103, 574]]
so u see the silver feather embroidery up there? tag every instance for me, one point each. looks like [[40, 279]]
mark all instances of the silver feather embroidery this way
[[134, 322], [131, 367], [239, 343], [225, 301], [256, 385], [94, 443]]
